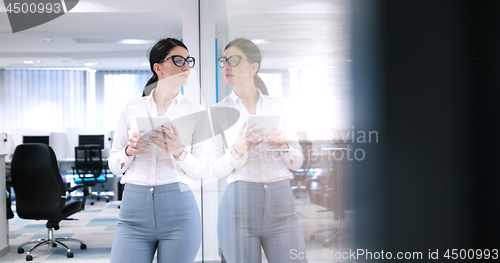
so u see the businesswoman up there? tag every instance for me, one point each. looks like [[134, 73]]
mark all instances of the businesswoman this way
[[158, 210], [257, 208]]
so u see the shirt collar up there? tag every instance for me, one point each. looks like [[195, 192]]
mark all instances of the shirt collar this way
[[177, 98], [235, 97]]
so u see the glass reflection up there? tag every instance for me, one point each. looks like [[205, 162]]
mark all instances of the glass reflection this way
[[257, 210], [306, 64]]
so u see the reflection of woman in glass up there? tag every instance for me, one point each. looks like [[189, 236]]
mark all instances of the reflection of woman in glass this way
[[257, 209], [158, 210]]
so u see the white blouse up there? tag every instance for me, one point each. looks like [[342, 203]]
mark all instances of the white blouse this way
[[154, 167], [261, 164]]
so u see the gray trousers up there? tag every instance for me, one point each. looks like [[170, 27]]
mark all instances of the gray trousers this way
[[255, 215], [161, 218]]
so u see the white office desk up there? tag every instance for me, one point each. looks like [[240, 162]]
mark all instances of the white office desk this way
[[68, 163], [65, 163]]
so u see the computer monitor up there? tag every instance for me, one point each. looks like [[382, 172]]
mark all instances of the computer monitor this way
[[36, 139], [91, 139]]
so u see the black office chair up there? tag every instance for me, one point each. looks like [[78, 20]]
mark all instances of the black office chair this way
[[301, 175], [331, 191], [90, 169], [40, 193]]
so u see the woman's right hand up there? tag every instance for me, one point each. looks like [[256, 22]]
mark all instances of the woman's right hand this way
[[249, 139], [136, 144]]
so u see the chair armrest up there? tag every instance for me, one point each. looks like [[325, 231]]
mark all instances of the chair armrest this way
[[313, 180], [85, 193], [76, 187]]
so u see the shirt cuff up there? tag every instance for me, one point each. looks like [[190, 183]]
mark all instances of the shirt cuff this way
[[189, 159], [124, 158], [289, 154], [234, 163]]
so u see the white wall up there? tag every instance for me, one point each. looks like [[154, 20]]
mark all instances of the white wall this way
[[3, 144], [213, 19], [4, 229]]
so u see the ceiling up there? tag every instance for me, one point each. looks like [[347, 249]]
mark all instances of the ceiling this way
[[294, 32], [79, 38]]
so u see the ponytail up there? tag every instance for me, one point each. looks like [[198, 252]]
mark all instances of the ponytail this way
[[259, 83], [152, 82]]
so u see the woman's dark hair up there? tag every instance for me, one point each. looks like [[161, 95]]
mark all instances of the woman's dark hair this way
[[158, 52], [253, 53]]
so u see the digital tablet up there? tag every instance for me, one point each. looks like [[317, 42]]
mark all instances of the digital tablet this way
[[269, 122], [149, 124]]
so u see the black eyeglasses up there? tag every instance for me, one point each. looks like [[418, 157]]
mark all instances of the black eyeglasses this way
[[233, 60], [179, 61]]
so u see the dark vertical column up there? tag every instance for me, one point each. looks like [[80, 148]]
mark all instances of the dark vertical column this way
[[485, 65], [426, 78]]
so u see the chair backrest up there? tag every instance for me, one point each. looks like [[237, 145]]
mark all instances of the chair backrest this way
[[37, 182], [306, 147], [88, 160], [339, 185]]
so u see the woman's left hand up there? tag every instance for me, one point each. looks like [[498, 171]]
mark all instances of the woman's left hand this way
[[278, 141], [170, 141]]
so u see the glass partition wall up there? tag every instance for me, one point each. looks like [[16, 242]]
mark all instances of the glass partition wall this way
[[305, 50]]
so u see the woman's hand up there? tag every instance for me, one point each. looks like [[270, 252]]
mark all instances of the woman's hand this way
[[136, 144], [169, 141], [249, 139], [278, 141]]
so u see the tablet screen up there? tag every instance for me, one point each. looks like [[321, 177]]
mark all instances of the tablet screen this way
[[269, 122], [147, 124]]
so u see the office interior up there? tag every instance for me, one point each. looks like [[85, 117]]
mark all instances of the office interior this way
[[333, 62], [94, 60]]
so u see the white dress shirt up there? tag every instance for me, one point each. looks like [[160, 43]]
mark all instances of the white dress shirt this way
[[260, 165], [154, 167]]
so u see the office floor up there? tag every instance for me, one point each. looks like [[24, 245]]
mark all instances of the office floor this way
[[312, 218], [96, 226]]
